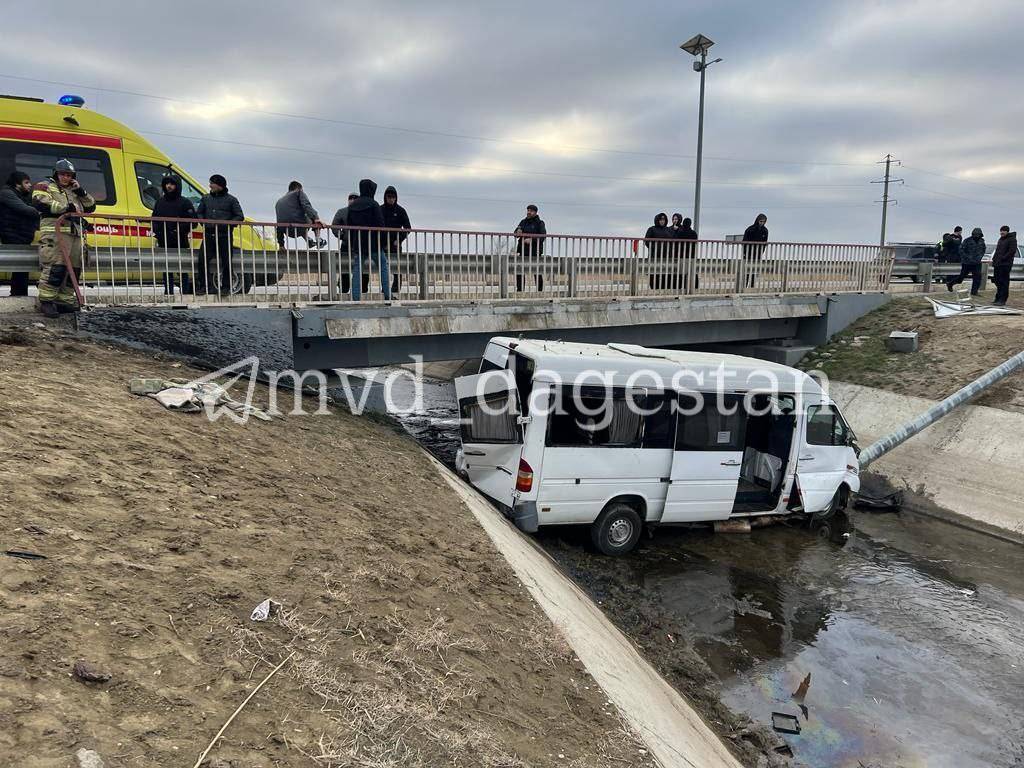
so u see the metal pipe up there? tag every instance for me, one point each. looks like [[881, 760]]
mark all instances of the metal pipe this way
[[937, 411]]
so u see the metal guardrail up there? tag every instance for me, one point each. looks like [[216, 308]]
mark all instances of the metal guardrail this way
[[926, 272], [128, 265]]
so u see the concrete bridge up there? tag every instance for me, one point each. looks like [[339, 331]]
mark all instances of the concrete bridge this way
[[451, 291]]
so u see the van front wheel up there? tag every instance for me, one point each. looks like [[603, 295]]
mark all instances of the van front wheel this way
[[617, 530]]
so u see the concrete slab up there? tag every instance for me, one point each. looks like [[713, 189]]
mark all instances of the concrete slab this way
[[969, 462], [672, 730]]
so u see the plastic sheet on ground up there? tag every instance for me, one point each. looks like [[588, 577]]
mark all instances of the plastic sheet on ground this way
[[192, 397], [957, 308]]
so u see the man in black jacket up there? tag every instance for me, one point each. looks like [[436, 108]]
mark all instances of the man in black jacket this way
[[951, 245], [344, 242], [1002, 263], [754, 237], [218, 205], [530, 248], [395, 217], [972, 251], [174, 237], [368, 245], [19, 221]]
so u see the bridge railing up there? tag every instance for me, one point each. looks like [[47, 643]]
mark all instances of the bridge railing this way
[[150, 261]]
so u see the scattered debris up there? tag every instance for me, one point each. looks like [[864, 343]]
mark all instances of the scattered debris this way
[[902, 341], [192, 396], [87, 673], [38, 530], [801, 692], [262, 611], [958, 308], [889, 503], [87, 758], [24, 555], [785, 723]]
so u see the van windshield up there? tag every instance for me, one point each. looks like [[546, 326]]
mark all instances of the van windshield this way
[[149, 175]]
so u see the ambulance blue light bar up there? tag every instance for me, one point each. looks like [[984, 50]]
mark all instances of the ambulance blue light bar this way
[[70, 100]]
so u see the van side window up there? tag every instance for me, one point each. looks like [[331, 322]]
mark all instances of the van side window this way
[[489, 365], [702, 427], [826, 427], [491, 421], [593, 417], [149, 176], [92, 166], [523, 369], [659, 421]]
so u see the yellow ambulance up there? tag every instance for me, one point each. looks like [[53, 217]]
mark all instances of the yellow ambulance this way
[[115, 164]]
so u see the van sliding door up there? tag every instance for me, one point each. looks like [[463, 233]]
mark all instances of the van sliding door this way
[[707, 458], [491, 435]]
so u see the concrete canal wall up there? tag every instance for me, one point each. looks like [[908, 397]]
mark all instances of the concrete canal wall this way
[[969, 463]]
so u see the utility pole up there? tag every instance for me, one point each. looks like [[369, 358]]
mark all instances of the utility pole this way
[[885, 201]]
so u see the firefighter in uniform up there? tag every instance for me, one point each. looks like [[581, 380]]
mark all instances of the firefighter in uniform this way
[[52, 198]]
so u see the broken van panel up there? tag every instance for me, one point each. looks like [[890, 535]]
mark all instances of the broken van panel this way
[[620, 436]]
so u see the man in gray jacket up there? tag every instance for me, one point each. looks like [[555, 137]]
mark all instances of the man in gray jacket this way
[[295, 208], [972, 251]]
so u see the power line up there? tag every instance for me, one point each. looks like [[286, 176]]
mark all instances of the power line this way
[[885, 201], [398, 160], [646, 206], [425, 132], [964, 181], [965, 199]]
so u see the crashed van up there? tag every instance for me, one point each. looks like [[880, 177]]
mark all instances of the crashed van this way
[[623, 438]]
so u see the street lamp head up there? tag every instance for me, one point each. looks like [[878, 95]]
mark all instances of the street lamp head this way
[[698, 45]]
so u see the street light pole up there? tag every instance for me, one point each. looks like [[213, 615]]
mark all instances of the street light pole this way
[[700, 142], [699, 45]]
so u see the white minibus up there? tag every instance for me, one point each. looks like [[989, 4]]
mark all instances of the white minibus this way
[[622, 437]]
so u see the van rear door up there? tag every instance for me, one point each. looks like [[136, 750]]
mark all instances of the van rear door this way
[[825, 454], [710, 431], [492, 439]]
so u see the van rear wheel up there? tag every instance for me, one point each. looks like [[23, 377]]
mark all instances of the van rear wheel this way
[[617, 530]]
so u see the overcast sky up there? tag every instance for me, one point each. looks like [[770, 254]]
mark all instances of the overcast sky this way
[[592, 104]]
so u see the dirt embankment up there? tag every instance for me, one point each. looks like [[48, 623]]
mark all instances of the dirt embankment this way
[[952, 352], [410, 641]]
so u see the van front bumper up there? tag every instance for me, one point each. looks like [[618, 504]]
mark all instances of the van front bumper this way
[[524, 515]]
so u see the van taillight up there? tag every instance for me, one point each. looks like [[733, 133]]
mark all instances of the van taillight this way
[[524, 480]]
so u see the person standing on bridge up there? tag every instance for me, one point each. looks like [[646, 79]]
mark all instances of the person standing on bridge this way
[[19, 221], [972, 250], [754, 238], [295, 208], [60, 195], [530, 248], [395, 218], [218, 205], [1002, 264], [950, 245], [174, 238], [687, 233], [367, 244], [344, 242]]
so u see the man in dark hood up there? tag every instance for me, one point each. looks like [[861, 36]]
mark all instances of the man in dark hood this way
[[754, 238], [972, 250], [368, 245], [1002, 263], [175, 237], [395, 217], [218, 205], [689, 249], [19, 221], [663, 253], [660, 230]]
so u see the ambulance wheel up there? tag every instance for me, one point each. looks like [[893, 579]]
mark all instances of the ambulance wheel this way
[[617, 530]]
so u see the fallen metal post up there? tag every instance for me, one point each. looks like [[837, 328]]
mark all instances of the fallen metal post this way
[[937, 411]]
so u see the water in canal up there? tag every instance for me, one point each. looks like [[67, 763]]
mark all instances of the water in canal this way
[[912, 635]]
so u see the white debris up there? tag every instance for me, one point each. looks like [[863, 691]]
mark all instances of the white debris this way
[[88, 759]]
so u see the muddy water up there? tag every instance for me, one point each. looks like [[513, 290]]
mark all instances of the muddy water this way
[[912, 634]]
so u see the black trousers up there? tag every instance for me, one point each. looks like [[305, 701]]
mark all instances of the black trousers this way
[[215, 261], [19, 284], [971, 270], [1001, 277]]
